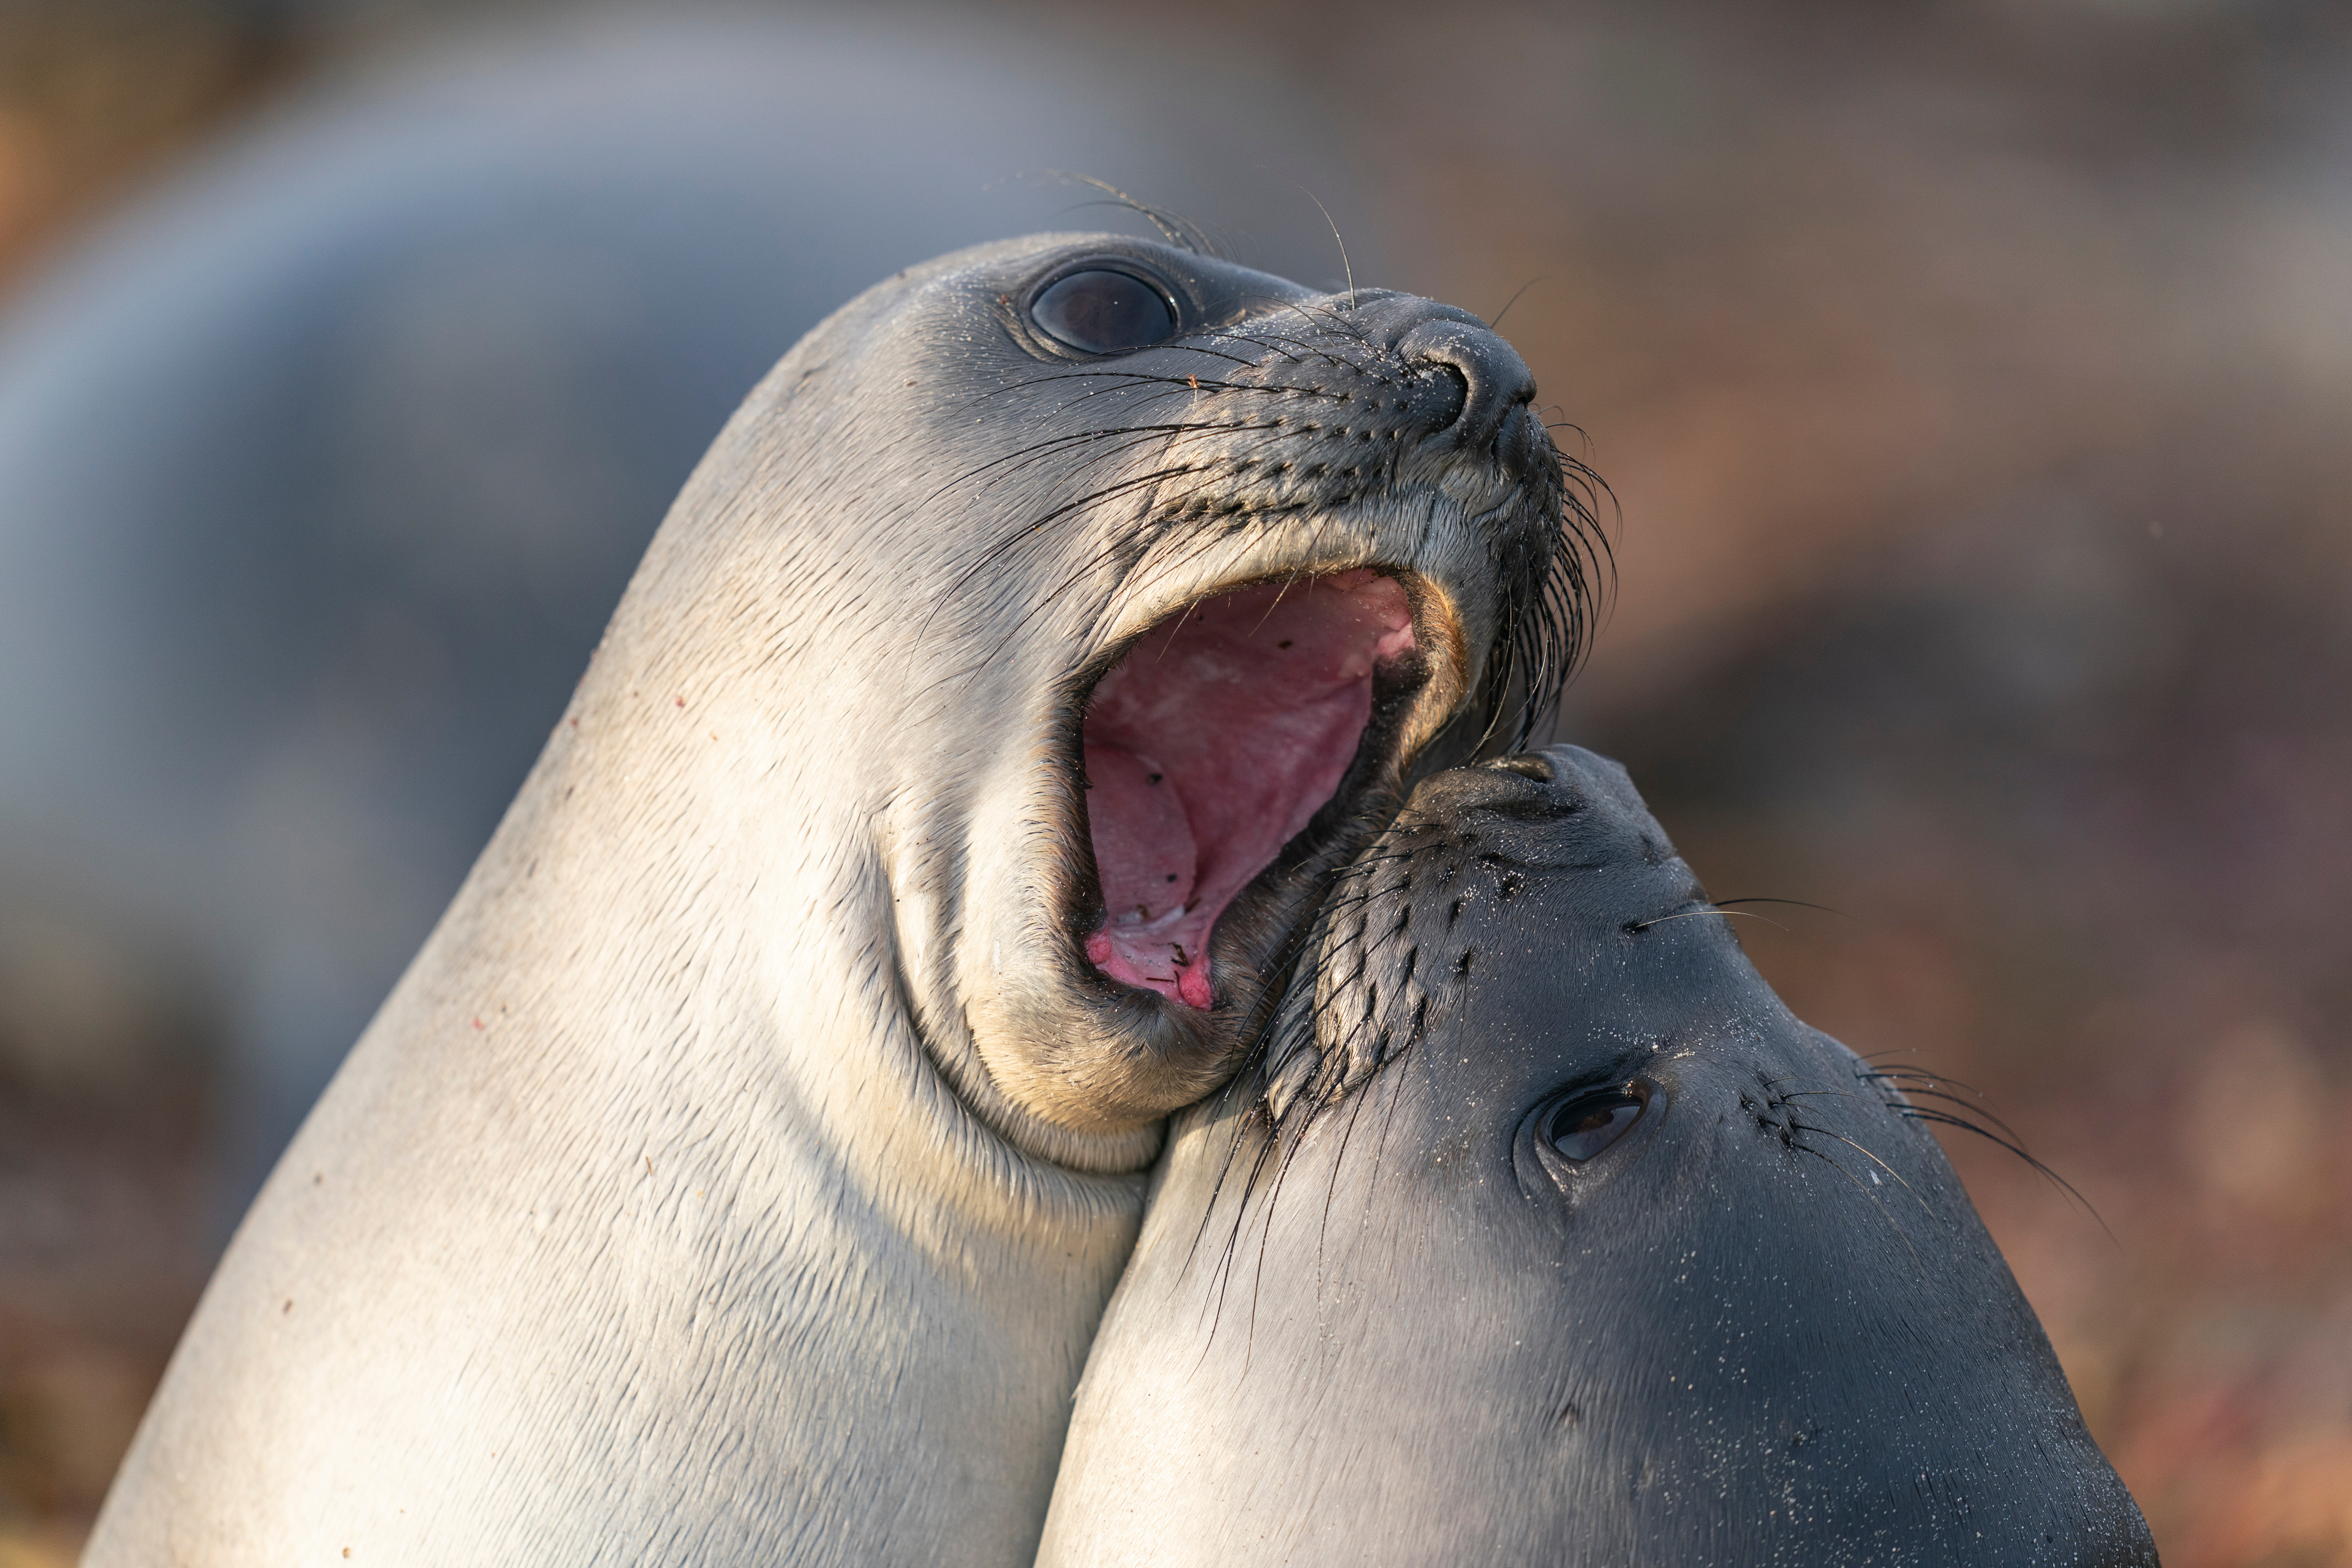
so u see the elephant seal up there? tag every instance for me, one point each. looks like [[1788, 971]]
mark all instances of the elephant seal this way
[[1543, 1233], [738, 1172], [323, 463]]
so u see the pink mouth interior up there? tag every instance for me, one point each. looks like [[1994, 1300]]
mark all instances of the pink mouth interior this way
[[1212, 745]]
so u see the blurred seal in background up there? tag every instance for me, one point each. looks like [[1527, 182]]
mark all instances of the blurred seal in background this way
[[321, 468]]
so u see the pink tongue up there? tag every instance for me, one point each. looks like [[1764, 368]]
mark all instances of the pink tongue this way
[[1214, 744]]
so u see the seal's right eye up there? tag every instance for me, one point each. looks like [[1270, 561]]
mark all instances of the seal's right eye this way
[[1589, 1123], [1099, 312]]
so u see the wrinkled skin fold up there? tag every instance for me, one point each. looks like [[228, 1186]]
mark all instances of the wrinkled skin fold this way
[[1541, 1232]]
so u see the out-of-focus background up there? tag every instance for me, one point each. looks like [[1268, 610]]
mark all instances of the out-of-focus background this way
[[1975, 380]]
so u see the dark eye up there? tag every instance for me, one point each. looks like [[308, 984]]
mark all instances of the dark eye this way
[[1590, 1123], [1104, 312]]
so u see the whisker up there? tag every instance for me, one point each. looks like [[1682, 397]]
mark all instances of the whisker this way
[[1344, 268], [1943, 1118], [1513, 300], [1938, 1094], [1923, 1074], [1796, 903], [1171, 228], [1795, 1126], [1700, 914]]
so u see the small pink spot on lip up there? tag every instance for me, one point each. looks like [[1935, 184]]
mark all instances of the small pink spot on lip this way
[[1212, 745]]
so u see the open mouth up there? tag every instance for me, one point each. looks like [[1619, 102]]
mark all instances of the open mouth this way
[[1215, 744]]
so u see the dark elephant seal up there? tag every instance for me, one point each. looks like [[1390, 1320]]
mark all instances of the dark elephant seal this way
[[738, 1172], [1545, 1234]]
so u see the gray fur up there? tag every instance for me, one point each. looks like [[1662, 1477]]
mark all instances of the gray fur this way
[[739, 1172], [1376, 1318]]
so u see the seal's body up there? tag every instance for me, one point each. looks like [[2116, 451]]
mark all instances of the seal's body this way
[[738, 1172], [1545, 1234]]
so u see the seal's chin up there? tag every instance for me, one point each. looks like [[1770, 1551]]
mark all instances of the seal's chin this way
[[1216, 741]]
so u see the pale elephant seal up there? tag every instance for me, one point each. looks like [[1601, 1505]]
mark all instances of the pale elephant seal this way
[[322, 465], [1545, 1234], [739, 1173]]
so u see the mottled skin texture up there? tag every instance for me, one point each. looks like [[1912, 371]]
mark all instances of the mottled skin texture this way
[[1376, 1316], [739, 1172]]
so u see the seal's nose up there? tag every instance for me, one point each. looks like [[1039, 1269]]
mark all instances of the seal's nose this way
[[1540, 787], [1494, 381], [1480, 381]]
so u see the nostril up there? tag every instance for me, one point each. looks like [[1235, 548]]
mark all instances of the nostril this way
[[1466, 382], [1452, 393], [1475, 382]]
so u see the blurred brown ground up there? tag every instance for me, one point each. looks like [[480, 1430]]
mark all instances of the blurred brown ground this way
[[1975, 382]]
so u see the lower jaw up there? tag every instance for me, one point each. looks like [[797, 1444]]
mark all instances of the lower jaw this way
[[1255, 941], [1171, 1054], [1129, 1057]]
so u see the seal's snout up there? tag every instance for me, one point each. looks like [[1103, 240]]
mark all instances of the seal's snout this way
[[1563, 807], [1437, 910]]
